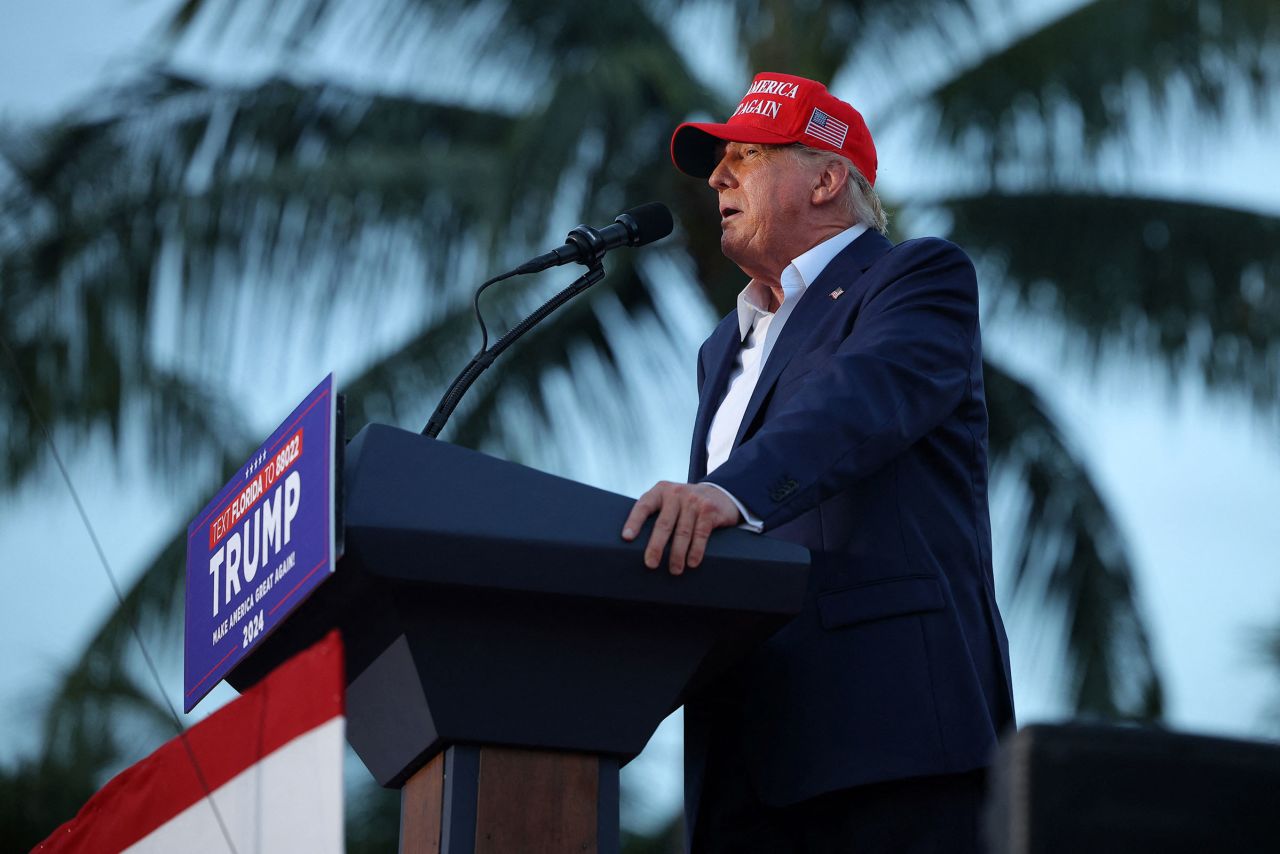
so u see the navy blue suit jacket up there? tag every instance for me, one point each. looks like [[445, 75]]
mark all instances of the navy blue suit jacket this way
[[866, 441]]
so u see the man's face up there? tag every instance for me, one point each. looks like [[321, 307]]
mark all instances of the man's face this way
[[765, 197]]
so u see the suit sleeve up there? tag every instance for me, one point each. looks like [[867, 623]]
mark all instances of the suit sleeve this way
[[904, 367]]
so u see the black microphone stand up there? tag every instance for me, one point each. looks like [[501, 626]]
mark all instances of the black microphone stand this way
[[482, 360]]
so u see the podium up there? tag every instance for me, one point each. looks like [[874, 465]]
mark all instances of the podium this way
[[506, 650]]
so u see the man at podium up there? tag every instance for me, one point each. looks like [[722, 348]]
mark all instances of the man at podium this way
[[841, 407]]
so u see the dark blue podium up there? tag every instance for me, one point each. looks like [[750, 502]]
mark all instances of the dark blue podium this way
[[506, 649]]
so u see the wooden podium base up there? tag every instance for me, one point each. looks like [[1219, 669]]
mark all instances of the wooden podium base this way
[[497, 800]]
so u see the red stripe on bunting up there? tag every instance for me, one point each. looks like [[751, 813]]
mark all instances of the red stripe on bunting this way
[[297, 697]]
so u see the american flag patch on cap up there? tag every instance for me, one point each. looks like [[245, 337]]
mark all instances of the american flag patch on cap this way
[[829, 130]]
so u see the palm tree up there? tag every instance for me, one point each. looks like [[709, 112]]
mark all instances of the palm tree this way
[[197, 208]]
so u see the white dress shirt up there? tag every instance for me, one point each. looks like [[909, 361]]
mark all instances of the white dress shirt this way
[[759, 330]]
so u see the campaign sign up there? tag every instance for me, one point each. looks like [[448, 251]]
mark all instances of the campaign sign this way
[[262, 545]]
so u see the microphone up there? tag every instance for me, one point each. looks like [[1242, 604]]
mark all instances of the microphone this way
[[585, 245]]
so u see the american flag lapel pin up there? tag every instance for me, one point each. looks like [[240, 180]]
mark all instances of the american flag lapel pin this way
[[836, 293]]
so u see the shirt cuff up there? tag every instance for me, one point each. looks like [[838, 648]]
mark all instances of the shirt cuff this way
[[753, 522]]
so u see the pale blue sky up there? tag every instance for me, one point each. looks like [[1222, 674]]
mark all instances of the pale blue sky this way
[[1194, 481]]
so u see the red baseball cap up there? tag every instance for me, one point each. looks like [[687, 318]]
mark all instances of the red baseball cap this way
[[779, 109]]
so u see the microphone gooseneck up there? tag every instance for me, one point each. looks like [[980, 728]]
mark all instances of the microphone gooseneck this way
[[585, 245]]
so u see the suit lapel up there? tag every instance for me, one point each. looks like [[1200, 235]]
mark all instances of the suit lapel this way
[[721, 352], [843, 271]]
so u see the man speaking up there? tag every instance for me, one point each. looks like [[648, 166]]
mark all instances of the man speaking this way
[[840, 407]]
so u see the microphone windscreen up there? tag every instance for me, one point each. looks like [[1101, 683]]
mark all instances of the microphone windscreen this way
[[652, 222]]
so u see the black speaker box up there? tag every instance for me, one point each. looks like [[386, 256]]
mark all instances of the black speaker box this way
[[1088, 789]]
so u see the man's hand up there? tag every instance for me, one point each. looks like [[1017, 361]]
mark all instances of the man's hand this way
[[692, 510]]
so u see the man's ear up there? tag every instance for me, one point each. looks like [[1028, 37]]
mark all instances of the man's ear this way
[[830, 182]]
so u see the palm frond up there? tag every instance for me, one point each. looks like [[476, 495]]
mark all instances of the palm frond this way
[[101, 685], [274, 183], [1269, 645], [819, 39], [1193, 286], [1074, 83], [39, 794], [618, 355], [1069, 557], [187, 428], [148, 216]]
